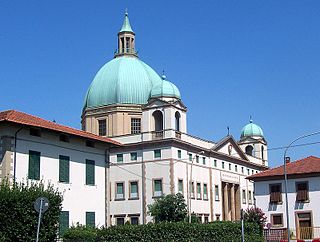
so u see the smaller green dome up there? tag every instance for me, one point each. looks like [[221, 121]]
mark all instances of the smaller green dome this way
[[165, 89], [251, 129]]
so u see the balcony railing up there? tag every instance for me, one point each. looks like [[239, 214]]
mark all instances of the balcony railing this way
[[157, 134], [303, 233], [124, 51]]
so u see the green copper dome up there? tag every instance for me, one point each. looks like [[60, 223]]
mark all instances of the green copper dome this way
[[123, 80], [251, 129], [165, 89]]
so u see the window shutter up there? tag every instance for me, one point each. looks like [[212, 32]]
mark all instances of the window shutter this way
[[34, 165], [64, 168], [90, 176], [90, 219], [63, 221]]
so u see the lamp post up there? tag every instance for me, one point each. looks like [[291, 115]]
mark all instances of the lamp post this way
[[286, 177], [190, 182]]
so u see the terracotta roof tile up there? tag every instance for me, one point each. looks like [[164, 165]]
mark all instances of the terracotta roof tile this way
[[30, 120], [308, 165]]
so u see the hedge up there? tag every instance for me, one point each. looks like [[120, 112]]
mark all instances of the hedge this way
[[19, 219], [224, 231]]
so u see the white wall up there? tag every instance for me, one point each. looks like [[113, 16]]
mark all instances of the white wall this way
[[263, 198]]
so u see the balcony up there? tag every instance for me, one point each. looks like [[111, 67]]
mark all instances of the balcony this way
[[127, 51], [157, 135]]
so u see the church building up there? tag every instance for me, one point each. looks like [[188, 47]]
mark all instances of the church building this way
[[132, 104]]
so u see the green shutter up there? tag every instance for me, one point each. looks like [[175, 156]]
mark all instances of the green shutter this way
[[119, 188], [134, 187], [134, 156], [34, 165], [90, 177], [64, 168], [190, 157], [90, 219], [157, 154], [179, 154], [63, 221], [119, 158], [157, 186]]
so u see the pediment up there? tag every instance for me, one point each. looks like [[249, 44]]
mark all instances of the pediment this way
[[230, 147]]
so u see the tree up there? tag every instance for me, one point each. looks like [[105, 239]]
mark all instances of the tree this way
[[255, 215], [19, 219], [170, 208]]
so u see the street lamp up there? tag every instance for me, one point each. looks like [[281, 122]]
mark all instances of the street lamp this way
[[190, 182], [286, 177]]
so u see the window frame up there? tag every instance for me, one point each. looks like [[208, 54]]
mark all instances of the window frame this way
[[180, 180], [157, 154], [216, 193], [244, 196], [116, 191], [279, 201], [120, 158], [67, 159], [88, 214], [88, 164], [135, 125], [198, 185], [205, 195], [154, 195], [307, 191], [102, 127], [272, 219], [179, 154], [34, 166], [130, 189]]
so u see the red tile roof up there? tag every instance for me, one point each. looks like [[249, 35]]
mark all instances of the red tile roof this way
[[304, 167], [30, 120]]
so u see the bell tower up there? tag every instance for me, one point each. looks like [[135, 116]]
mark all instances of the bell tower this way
[[126, 39]]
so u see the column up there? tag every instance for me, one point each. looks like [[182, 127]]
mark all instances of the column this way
[[226, 202], [233, 209]]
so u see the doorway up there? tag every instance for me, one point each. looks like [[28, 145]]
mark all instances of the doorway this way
[[304, 225]]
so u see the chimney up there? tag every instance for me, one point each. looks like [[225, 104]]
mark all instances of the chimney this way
[[287, 159]]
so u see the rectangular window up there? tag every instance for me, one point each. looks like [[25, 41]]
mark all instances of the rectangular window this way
[[215, 163], [222, 164], [64, 168], [64, 138], [179, 154], [275, 193], [250, 197], [216, 192], [90, 174], [206, 219], [244, 197], [134, 156], [197, 158], [217, 217], [135, 125], [34, 165], [90, 143], [190, 157], [252, 172], [120, 221], [205, 191], [157, 153], [119, 158], [248, 171], [204, 160], [277, 220], [236, 168], [119, 191], [134, 220], [302, 190], [198, 190], [157, 188], [90, 219], [134, 192], [180, 186], [35, 132], [63, 221], [192, 190], [229, 166], [102, 127], [242, 170]]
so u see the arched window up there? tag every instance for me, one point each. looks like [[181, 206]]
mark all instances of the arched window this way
[[158, 120], [249, 150], [262, 152], [177, 116]]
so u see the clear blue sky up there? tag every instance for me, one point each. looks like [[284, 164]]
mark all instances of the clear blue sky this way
[[230, 60]]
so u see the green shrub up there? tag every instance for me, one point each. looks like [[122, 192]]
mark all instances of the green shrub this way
[[174, 232], [80, 233], [19, 220]]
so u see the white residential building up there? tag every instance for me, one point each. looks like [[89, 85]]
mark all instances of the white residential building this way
[[73, 161], [303, 197]]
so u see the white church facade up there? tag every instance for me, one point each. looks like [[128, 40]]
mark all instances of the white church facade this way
[[132, 104], [133, 148]]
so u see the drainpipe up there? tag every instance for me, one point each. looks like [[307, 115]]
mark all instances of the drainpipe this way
[[107, 181], [15, 155]]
